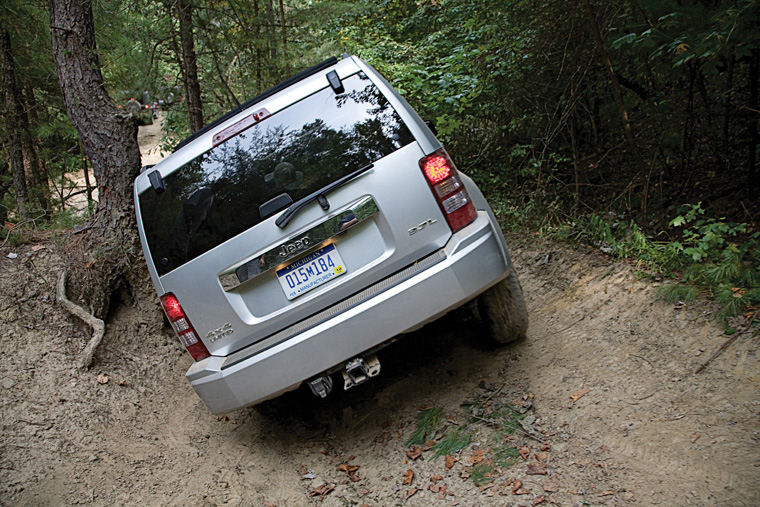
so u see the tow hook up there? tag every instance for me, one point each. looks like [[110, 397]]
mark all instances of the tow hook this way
[[359, 369], [321, 386]]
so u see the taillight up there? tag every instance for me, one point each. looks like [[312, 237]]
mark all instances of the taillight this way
[[182, 327], [449, 192]]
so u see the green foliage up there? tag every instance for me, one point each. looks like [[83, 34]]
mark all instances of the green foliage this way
[[451, 443], [720, 257], [676, 292], [427, 422], [481, 474]]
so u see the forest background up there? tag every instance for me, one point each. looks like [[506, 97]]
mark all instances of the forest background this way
[[629, 125]]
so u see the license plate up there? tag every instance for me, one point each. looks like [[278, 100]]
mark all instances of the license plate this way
[[311, 271]]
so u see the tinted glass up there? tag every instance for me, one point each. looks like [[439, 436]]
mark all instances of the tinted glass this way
[[296, 151]]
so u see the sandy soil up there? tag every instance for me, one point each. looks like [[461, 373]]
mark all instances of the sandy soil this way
[[645, 431], [606, 405]]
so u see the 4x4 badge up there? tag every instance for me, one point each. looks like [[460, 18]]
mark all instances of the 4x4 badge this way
[[223, 331], [299, 244]]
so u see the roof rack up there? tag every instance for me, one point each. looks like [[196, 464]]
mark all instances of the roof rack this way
[[258, 98]]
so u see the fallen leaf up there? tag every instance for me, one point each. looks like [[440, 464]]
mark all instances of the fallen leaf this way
[[345, 467], [442, 493], [351, 458], [408, 477], [516, 485], [354, 478], [524, 451], [607, 493], [434, 488], [89, 264], [122, 382], [36, 248], [546, 447], [322, 490], [436, 478], [414, 453], [270, 504], [536, 468], [428, 445], [102, 378], [410, 493], [477, 457], [521, 491], [465, 474], [577, 395], [538, 500], [540, 456], [449, 462], [695, 437], [9, 225]]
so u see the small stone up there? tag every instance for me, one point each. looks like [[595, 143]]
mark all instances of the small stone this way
[[7, 383], [93, 457], [12, 255]]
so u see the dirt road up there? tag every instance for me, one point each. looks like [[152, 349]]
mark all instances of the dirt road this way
[[599, 405]]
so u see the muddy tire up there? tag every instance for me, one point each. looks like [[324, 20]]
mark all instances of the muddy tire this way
[[502, 309]]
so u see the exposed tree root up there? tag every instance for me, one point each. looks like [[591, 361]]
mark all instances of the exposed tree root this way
[[97, 325]]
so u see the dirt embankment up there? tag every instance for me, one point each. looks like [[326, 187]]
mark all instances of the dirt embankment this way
[[599, 405]]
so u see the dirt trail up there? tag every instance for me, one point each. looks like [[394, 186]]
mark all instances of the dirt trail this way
[[643, 429], [648, 431]]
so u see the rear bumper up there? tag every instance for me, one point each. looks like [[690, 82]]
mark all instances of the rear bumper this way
[[473, 260]]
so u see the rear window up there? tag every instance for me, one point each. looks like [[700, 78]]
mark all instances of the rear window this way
[[296, 150]]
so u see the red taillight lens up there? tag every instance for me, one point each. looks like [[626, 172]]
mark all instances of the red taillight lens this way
[[182, 327], [436, 168], [448, 190]]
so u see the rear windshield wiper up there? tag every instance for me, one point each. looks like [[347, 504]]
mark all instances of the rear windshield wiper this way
[[319, 196]]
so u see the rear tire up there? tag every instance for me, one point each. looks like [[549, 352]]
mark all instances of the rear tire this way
[[502, 309]]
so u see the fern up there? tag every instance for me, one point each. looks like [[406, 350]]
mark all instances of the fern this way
[[427, 422]]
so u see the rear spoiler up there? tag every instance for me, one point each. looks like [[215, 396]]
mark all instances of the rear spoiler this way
[[258, 98]]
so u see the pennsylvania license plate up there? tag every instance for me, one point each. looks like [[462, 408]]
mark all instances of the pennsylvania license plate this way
[[311, 271]]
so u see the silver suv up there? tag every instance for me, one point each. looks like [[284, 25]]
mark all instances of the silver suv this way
[[297, 235]]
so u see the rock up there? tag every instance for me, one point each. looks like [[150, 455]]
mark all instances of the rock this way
[[12, 255], [7, 383]]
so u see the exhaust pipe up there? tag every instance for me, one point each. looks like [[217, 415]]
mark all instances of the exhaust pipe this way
[[321, 386]]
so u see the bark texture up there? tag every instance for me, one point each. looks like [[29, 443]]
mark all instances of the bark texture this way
[[12, 123], [107, 256], [190, 65]]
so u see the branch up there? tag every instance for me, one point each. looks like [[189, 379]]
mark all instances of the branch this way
[[97, 325]]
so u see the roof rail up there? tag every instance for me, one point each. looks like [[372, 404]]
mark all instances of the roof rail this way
[[258, 98]]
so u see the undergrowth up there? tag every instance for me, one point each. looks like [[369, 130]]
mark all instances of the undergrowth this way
[[701, 254]]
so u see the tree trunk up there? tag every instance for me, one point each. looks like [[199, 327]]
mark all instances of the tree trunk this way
[[189, 63], [37, 178], [754, 180], [12, 123], [107, 256]]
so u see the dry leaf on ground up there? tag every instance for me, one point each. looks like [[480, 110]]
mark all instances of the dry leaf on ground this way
[[524, 451], [516, 485], [408, 477], [436, 478], [449, 462], [414, 453], [536, 468], [410, 493], [322, 490], [577, 395], [477, 457], [102, 378]]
